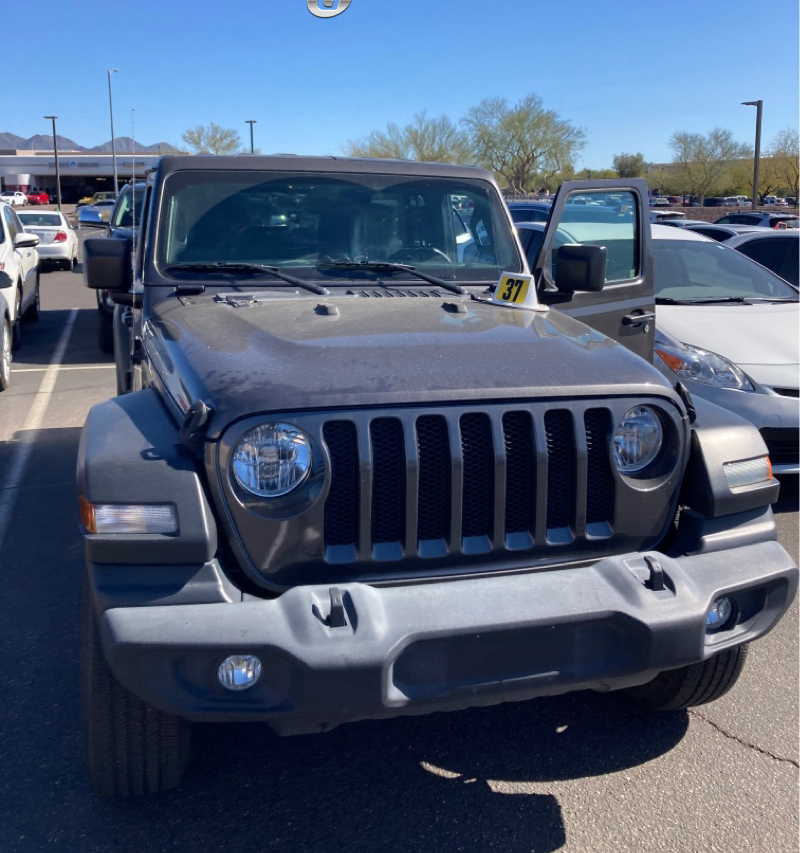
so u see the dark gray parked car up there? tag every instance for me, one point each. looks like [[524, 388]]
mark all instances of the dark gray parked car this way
[[368, 468]]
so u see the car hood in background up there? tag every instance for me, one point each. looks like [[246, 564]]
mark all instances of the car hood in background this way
[[762, 338]]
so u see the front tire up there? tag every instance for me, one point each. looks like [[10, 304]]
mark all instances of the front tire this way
[[5, 354], [131, 748], [16, 326], [105, 334], [34, 310], [692, 685]]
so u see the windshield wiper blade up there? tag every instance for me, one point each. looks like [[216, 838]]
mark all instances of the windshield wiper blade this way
[[708, 300], [252, 268], [388, 266]]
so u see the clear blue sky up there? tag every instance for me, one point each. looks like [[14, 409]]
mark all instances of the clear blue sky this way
[[629, 72]]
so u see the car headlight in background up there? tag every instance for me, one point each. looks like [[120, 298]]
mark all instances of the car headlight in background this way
[[690, 362], [637, 440], [271, 460]]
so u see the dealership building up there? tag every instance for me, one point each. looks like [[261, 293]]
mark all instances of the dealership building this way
[[81, 173]]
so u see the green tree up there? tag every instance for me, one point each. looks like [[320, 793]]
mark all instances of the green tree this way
[[702, 161], [783, 164], [212, 139], [526, 145], [434, 140], [630, 165]]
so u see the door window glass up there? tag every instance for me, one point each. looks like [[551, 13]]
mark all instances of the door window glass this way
[[598, 219]]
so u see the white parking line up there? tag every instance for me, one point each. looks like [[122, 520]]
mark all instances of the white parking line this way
[[64, 367], [30, 429]]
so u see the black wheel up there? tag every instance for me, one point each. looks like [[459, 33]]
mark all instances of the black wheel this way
[[692, 685], [105, 334], [5, 354], [131, 748], [16, 327], [34, 310]]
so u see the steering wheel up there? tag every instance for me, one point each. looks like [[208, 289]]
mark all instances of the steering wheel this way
[[418, 253]]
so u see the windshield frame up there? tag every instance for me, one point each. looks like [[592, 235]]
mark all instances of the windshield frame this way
[[377, 187]]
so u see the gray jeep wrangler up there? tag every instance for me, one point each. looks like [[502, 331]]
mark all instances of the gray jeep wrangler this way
[[371, 466]]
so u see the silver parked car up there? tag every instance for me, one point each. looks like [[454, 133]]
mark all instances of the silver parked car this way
[[727, 329]]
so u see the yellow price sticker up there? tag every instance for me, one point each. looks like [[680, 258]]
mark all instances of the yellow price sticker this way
[[513, 289], [516, 290]]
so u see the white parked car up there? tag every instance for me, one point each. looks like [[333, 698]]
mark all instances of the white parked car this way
[[58, 242], [14, 197], [19, 271]]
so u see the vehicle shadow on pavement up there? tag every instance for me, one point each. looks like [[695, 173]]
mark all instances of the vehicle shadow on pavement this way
[[789, 498], [39, 340], [470, 781]]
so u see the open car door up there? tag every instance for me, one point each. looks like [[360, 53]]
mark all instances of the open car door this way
[[595, 261]]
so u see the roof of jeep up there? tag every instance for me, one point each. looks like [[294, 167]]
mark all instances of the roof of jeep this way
[[298, 163]]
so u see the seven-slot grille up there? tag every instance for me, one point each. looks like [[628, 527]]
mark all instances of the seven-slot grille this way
[[468, 482]]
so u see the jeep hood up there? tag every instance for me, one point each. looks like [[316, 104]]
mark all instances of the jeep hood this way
[[274, 354]]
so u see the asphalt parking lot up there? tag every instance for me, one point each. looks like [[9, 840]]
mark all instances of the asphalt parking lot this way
[[584, 772]]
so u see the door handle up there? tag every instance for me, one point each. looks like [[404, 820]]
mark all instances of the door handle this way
[[638, 319]]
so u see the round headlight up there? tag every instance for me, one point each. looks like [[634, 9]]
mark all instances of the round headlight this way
[[637, 440], [272, 459]]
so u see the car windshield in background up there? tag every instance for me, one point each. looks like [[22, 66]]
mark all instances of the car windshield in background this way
[[454, 229], [129, 209], [689, 271], [52, 220]]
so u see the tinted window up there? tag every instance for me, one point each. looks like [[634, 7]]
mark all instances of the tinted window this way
[[770, 253], [43, 219], [129, 209], [714, 233], [11, 223]]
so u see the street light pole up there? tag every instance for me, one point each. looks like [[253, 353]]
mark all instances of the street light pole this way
[[55, 152], [757, 105], [111, 114], [251, 122]]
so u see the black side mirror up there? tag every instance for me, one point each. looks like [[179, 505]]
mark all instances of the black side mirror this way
[[580, 267], [107, 264]]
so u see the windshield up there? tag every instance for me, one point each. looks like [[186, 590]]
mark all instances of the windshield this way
[[688, 270], [452, 228], [44, 219], [129, 209]]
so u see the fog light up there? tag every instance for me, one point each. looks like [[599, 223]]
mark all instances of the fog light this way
[[719, 614], [239, 672]]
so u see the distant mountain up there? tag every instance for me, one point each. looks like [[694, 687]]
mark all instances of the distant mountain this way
[[125, 144], [10, 140], [44, 142]]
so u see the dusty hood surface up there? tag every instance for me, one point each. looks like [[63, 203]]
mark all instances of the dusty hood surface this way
[[762, 339], [283, 354]]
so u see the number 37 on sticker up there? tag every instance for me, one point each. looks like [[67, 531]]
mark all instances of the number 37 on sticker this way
[[516, 291]]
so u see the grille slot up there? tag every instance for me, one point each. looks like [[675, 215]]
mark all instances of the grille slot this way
[[388, 481], [341, 507], [466, 483], [561, 471]]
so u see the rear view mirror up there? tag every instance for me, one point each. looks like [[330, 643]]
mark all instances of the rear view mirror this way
[[90, 218], [580, 268], [25, 241]]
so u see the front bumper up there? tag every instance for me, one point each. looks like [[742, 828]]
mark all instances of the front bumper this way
[[445, 645]]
